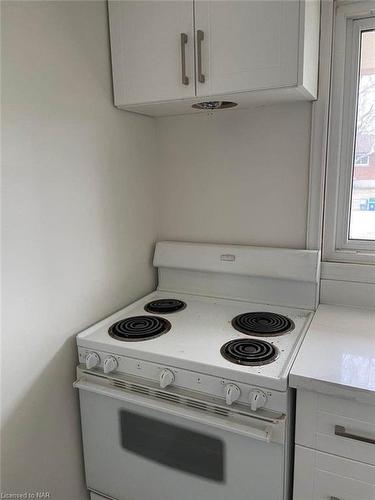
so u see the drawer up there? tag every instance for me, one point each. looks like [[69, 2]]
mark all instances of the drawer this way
[[321, 476], [339, 426]]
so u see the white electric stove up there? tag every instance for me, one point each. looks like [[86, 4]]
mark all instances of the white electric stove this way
[[184, 394]]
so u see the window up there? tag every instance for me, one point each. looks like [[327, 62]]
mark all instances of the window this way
[[349, 226], [361, 159], [362, 219]]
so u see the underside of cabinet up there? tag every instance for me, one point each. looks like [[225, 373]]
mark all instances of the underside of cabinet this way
[[243, 100]]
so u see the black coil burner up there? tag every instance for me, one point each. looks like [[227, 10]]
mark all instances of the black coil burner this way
[[165, 306], [139, 328], [249, 352], [262, 323]]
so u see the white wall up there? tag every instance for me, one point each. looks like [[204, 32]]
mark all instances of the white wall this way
[[79, 223], [238, 176]]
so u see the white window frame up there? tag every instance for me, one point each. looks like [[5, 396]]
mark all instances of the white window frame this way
[[351, 19]]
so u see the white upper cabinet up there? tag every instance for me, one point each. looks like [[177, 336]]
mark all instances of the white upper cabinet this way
[[148, 40], [168, 55], [247, 45]]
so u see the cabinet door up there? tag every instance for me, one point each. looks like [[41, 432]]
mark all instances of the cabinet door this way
[[247, 44], [147, 51], [321, 476]]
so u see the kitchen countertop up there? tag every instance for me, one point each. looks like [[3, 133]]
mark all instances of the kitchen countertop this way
[[337, 356]]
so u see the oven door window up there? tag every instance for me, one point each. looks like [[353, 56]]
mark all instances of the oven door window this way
[[173, 446]]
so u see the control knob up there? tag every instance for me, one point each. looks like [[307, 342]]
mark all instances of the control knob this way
[[110, 364], [232, 393], [92, 359], [257, 399], [166, 378]]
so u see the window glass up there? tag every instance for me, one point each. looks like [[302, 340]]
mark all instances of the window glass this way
[[362, 216]]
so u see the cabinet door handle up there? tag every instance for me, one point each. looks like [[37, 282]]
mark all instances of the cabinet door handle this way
[[200, 38], [184, 77], [341, 431]]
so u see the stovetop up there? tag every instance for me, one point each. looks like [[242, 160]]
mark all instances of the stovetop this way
[[197, 334]]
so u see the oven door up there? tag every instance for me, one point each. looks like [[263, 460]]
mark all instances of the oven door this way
[[139, 447]]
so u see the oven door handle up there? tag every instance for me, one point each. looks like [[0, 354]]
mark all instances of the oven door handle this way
[[264, 434]]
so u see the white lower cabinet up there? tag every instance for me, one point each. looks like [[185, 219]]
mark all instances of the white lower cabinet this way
[[339, 426], [321, 476], [335, 448]]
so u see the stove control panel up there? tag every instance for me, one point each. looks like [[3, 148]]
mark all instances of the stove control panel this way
[[172, 378]]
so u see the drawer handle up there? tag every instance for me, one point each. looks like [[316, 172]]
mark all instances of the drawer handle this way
[[334, 498], [341, 431]]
